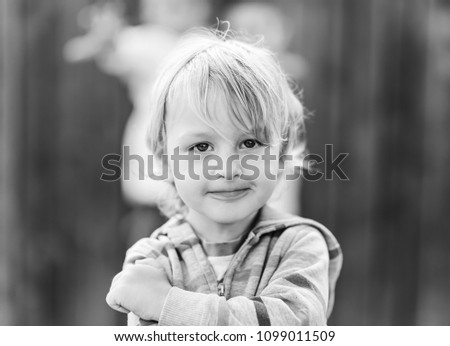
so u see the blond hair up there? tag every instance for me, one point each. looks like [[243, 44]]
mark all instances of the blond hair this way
[[249, 76]]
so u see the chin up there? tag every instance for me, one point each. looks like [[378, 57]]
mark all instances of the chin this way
[[226, 215]]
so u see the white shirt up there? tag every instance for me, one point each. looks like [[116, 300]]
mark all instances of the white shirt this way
[[220, 264]]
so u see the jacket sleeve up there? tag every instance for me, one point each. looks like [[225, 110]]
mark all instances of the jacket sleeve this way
[[297, 293]]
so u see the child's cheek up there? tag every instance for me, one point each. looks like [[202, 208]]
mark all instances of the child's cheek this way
[[260, 165], [271, 160], [187, 167]]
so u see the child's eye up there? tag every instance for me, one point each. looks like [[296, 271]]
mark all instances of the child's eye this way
[[202, 147], [250, 143]]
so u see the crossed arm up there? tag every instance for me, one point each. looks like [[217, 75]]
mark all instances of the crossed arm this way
[[297, 293]]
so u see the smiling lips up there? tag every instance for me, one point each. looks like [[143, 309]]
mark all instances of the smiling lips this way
[[229, 194]]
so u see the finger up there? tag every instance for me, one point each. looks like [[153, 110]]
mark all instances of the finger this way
[[114, 304]]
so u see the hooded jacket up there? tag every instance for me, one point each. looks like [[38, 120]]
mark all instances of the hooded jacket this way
[[284, 273]]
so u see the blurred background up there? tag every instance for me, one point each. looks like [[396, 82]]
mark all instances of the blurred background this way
[[73, 77]]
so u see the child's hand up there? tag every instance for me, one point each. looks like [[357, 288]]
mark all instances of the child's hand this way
[[141, 289]]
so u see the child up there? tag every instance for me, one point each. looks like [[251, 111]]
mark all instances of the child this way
[[223, 123]]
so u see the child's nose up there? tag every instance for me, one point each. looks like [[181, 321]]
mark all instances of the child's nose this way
[[231, 167]]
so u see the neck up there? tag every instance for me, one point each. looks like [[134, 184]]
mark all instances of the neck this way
[[215, 232]]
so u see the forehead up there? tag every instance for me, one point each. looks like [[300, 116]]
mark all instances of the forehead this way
[[185, 118]]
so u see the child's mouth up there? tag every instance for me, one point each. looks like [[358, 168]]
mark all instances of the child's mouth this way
[[229, 195]]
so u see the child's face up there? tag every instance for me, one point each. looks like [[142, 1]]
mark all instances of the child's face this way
[[227, 195]]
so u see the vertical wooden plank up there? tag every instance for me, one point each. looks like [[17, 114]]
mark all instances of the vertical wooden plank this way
[[353, 134], [42, 243], [411, 166], [93, 111], [10, 144], [399, 163], [387, 18], [5, 222], [434, 270], [377, 21]]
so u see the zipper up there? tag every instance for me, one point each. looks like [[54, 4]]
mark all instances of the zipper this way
[[220, 288], [220, 284]]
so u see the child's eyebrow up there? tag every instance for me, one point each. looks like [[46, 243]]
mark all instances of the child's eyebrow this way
[[197, 134]]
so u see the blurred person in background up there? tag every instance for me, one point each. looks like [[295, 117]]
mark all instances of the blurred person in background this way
[[440, 39], [133, 53]]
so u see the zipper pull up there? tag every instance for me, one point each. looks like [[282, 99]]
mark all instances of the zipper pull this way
[[221, 289]]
